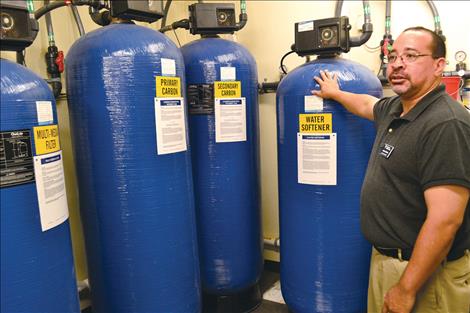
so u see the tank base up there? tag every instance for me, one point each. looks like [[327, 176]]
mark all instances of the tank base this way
[[242, 302]]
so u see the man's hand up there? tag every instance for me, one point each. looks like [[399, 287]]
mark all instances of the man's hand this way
[[329, 85], [398, 300]]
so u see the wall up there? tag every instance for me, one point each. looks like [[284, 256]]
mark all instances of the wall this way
[[268, 35]]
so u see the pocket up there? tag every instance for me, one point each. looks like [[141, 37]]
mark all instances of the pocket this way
[[459, 270]]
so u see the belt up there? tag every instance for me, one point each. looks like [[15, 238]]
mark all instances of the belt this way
[[405, 254]]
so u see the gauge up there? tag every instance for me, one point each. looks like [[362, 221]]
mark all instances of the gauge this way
[[460, 56]]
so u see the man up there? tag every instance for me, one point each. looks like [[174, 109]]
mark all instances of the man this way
[[415, 196]]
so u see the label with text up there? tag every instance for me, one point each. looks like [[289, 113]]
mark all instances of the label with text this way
[[168, 87], [46, 139], [227, 89], [315, 123]]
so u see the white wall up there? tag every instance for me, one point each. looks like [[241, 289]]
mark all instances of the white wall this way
[[268, 35]]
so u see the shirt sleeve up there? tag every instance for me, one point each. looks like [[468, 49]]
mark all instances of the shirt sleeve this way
[[381, 109], [444, 155]]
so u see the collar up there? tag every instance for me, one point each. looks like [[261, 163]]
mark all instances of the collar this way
[[397, 107]]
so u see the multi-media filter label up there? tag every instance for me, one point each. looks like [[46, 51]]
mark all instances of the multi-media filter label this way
[[46, 139], [170, 125], [316, 159], [50, 187]]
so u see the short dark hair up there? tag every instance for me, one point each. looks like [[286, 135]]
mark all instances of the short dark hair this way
[[438, 46]]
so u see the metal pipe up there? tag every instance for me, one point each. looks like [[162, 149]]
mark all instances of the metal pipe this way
[[273, 244]]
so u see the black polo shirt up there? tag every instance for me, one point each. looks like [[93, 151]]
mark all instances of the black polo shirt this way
[[428, 146]]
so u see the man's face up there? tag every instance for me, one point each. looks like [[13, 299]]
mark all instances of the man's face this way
[[414, 71]]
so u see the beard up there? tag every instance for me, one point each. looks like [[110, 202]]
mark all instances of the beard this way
[[400, 83]]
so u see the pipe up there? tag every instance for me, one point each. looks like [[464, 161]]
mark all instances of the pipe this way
[[273, 244], [184, 23], [51, 56], [165, 13], [388, 17], [100, 18], [78, 20], [268, 87], [49, 7], [338, 7], [437, 20], [366, 27], [50, 29], [435, 14], [243, 15]]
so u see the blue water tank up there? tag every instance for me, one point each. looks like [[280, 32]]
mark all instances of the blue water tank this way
[[225, 155], [37, 270], [322, 158], [136, 192]]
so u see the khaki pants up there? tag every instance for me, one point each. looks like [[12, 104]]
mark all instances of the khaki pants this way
[[447, 291]]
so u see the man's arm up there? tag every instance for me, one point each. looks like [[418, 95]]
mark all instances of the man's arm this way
[[358, 104], [446, 208]]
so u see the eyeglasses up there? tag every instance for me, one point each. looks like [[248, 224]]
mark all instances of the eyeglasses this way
[[405, 57]]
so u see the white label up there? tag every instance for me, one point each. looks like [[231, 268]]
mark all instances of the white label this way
[[316, 159], [305, 26], [168, 67], [230, 119], [170, 125], [44, 112], [50, 186], [313, 103], [228, 73]]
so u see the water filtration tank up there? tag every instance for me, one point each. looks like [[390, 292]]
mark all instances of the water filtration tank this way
[[223, 120], [322, 158], [37, 271], [128, 118]]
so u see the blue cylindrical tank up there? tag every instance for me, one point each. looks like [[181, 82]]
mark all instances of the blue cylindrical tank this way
[[324, 257], [136, 200], [37, 270], [226, 172]]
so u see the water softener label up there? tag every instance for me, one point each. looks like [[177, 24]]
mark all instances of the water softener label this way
[[201, 98], [50, 187], [230, 120], [44, 112], [46, 139], [316, 159], [227, 89], [170, 125], [16, 158], [315, 123], [168, 87]]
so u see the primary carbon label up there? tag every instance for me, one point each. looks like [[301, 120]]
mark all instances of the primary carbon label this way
[[16, 159], [201, 98]]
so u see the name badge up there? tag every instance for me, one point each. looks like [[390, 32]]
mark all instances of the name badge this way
[[386, 150]]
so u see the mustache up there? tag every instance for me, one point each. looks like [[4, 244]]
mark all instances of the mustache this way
[[397, 74]]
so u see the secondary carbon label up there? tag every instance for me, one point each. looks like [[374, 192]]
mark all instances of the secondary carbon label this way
[[201, 98], [228, 89], [16, 158]]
